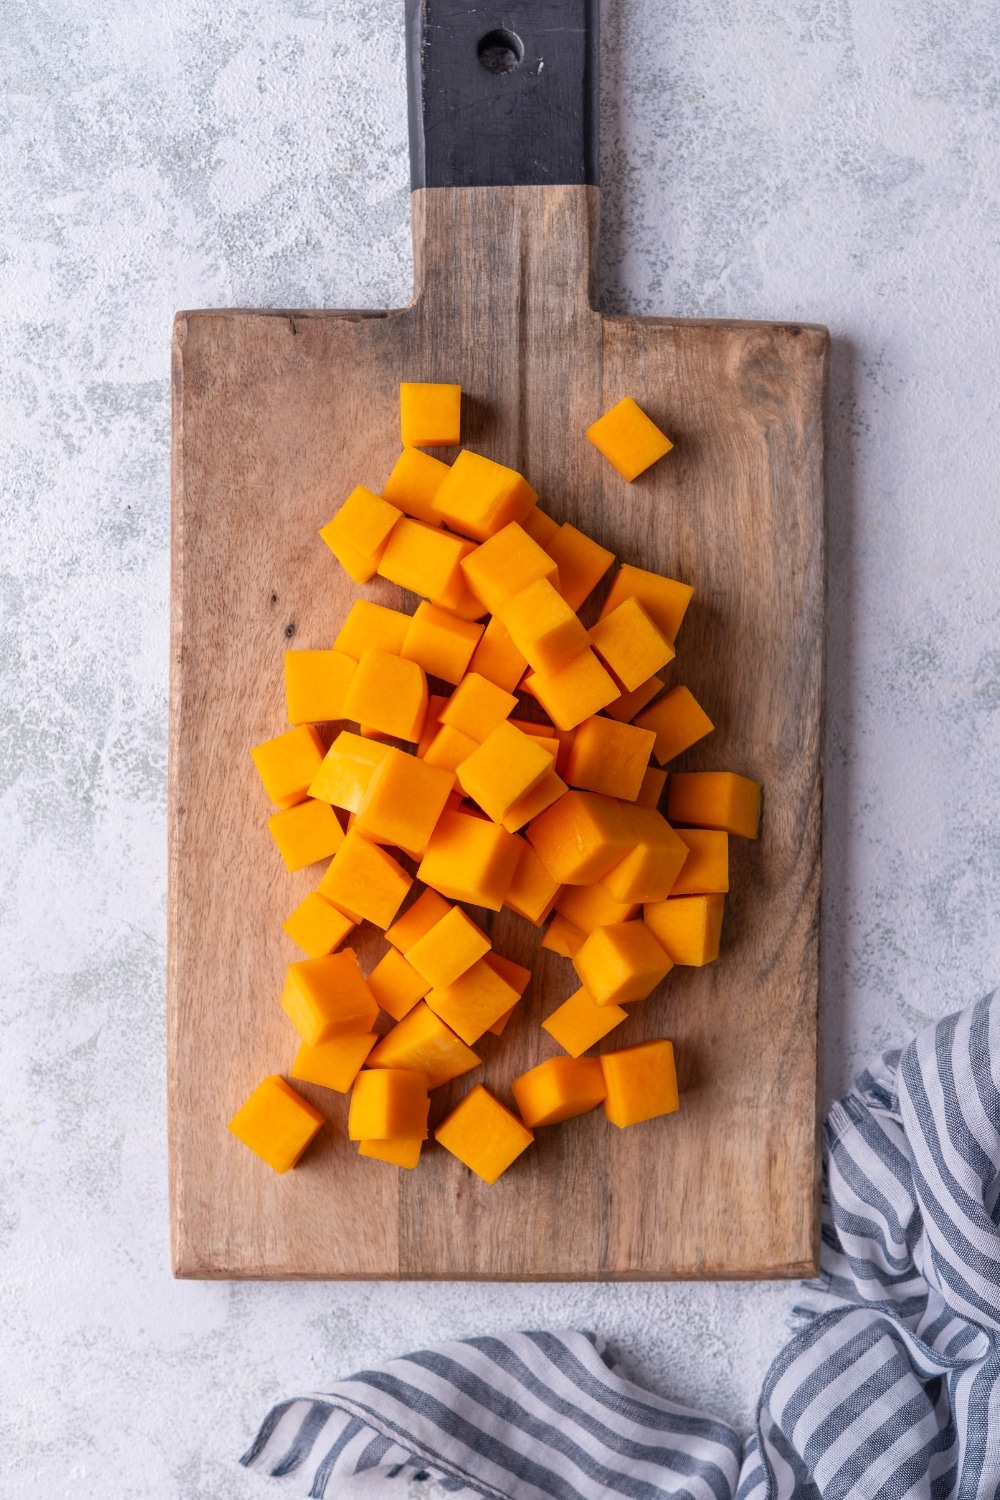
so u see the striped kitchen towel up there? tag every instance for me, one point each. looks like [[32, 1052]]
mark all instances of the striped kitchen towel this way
[[890, 1390]]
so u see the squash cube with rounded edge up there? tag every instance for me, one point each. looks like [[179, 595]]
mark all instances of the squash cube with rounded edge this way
[[343, 776], [306, 833], [706, 869], [497, 658], [580, 837], [688, 928], [276, 1123], [484, 1135], [415, 479], [430, 414], [440, 642], [360, 531], [505, 564], [389, 694], [664, 599], [532, 891], [582, 563], [563, 937], [470, 859], [316, 684], [420, 917], [451, 946], [677, 720], [628, 439], [366, 880], [334, 1064], [579, 1023], [576, 691], [328, 997], [317, 925], [396, 985], [371, 627], [403, 801], [471, 1003], [715, 799], [388, 1103], [641, 1083], [630, 644], [422, 1042], [477, 706], [543, 627], [503, 769], [621, 963], [610, 757], [287, 764], [559, 1089], [480, 497], [399, 1153], [426, 560]]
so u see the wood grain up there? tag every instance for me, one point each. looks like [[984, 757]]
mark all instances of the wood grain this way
[[277, 415]]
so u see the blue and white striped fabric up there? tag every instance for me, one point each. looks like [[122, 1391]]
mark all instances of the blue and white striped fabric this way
[[890, 1391]]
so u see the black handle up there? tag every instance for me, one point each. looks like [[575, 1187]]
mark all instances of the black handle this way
[[502, 94]]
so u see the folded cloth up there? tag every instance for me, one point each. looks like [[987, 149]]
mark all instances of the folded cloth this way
[[889, 1391]]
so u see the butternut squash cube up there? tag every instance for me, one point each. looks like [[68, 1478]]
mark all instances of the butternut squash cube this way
[[425, 913], [471, 1003], [484, 1135], [366, 880], [400, 1153], [532, 890], [664, 599], [305, 833], [497, 658], [317, 925], [590, 906], [328, 997], [505, 564], [648, 871], [579, 1022], [621, 963], [426, 560], [576, 691], [540, 526], [563, 937], [480, 497], [449, 748], [372, 627], [287, 764], [348, 766], [396, 985], [609, 757], [452, 946], [387, 1103], [678, 721], [580, 837], [715, 799], [503, 769], [276, 1123], [477, 706], [706, 869], [559, 1089], [627, 705], [470, 859], [688, 928], [630, 644], [516, 975], [628, 439], [415, 479], [533, 803], [359, 532], [499, 1027], [430, 415], [334, 1064], [582, 563], [403, 801], [424, 1043], [652, 788], [440, 642], [641, 1083], [388, 693], [316, 684], [435, 703], [543, 627]]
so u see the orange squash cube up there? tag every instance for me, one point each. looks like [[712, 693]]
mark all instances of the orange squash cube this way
[[579, 1023], [609, 757], [516, 975], [503, 769], [372, 627], [499, 1027], [316, 684], [652, 788], [328, 997], [678, 721], [706, 869], [470, 859], [533, 803], [484, 1135], [590, 906], [276, 1123], [580, 837], [559, 1089], [477, 706], [480, 497], [497, 658], [532, 890], [287, 764], [630, 644], [417, 919], [399, 1153], [449, 748], [563, 937], [366, 880], [426, 560], [403, 801], [359, 532], [582, 563], [715, 799], [576, 691], [440, 642], [435, 703], [543, 627], [664, 599], [305, 833], [348, 766], [688, 928], [628, 439], [317, 925], [627, 705], [472, 1002], [389, 694], [621, 963], [430, 415], [388, 1103], [540, 526], [648, 871], [422, 1042], [445, 952], [334, 1064], [415, 479], [505, 564], [641, 1083], [396, 985]]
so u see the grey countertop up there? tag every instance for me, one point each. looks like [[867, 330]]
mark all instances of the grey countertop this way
[[834, 161]]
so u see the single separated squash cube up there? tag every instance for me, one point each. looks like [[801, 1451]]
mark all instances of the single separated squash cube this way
[[664, 599], [532, 891], [641, 1083], [347, 768], [415, 480], [472, 1003], [591, 906], [678, 721], [430, 414], [276, 1123], [579, 1023], [580, 837], [497, 658], [621, 963], [559, 1089], [609, 757], [420, 917], [396, 985], [484, 1135], [543, 627], [316, 684], [706, 869], [287, 764], [715, 799], [470, 859], [503, 769], [388, 694], [629, 440], [582, 563], [448, 949], [688, 928], [388, 1103], [533, 803], [563, 937], [576, 691], [334, 1064], [317, 925], [426, 560], [648, 871], [401, 1153], [359, 532], [422, 1042], [305, 833], [440, 642], [627, 705], [328, 997], [505, 564], [480, 497], [403, 801], [477, 707], [366, 880], [630, 644], [372, 627]]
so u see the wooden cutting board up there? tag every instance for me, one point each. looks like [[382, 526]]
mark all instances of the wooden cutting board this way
[[277, 415]]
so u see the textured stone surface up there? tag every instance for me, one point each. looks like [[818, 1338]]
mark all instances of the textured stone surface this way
[[825, 160]]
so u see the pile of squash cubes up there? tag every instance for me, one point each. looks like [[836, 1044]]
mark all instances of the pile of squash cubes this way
[[555, 816]]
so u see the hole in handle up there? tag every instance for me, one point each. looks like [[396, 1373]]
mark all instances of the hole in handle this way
[[499, 51]]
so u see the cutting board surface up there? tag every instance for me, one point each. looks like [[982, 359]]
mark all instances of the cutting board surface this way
[[277, 416]]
